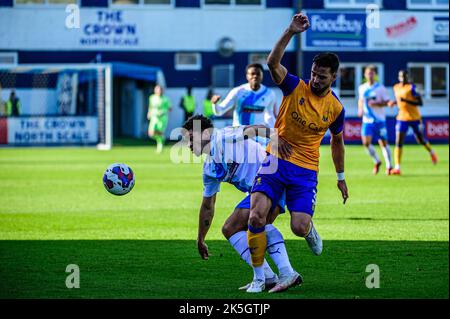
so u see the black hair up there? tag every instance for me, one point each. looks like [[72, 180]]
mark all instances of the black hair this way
[[327, 60], [255, 65], [371, 67], [205, 123], [403, 71]]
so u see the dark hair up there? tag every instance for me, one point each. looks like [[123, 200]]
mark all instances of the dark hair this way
[[255, 65], [371, 67], [327, 60], [205, 123], [403, 71]]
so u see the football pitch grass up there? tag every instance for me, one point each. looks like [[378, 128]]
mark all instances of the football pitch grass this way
[[54, 211]]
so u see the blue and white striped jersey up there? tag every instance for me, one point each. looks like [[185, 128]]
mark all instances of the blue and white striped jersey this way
[[376, 92], [250, 107], [232, 159]]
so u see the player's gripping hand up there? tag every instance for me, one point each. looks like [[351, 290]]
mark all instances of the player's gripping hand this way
[[280, 147], [299, 23], [343, 188], [202, 249]]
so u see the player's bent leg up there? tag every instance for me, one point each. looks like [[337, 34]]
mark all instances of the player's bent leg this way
[[386, 150], [288, 276], [302, 225], [399, 140], [367, 143], [256, 237], [420, 138], [236, 222], [276, 249], [235, 231], [257, 241]]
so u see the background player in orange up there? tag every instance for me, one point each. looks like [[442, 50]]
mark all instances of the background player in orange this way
[[408, 101], [308, 109]]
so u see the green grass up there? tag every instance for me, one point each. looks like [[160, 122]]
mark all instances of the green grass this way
[[54, 211]]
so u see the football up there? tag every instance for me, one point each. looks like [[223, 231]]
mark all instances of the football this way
[[118, 179]]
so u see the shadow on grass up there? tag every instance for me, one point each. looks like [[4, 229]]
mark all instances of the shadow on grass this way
[[173, 269]]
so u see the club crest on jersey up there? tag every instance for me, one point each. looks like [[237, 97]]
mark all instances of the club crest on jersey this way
[[258, 181], [302, 101]]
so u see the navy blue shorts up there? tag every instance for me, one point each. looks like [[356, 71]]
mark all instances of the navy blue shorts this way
[[402, 126], [245, 203], [298, 183]]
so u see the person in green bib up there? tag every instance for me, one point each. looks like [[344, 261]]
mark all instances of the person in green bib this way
[[187, 103], [159, 107], [207, 104], [13, 105]]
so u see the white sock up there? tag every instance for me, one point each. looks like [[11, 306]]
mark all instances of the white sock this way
[[387, 156], [397, 166], [240, 244], [371, 151], [277, 250], [258, 273]]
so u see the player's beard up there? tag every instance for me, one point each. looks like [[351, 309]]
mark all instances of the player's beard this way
[[319, 92]]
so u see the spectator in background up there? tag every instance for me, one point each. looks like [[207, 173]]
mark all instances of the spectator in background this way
[[207, 104], [187, 103], [13, 106], [158, 115]]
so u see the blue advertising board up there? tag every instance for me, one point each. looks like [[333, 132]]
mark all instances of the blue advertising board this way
[[336, 30]]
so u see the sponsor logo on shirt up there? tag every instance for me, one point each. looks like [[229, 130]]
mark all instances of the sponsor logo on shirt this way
[[307, 125]]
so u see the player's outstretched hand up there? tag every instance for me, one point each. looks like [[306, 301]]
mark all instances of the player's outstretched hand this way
[[343, 188], [215, 99], [203, 249], [299, 23], [392, 103]]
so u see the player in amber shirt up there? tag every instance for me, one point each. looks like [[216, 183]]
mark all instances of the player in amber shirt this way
[[408, 101], [308, 110]]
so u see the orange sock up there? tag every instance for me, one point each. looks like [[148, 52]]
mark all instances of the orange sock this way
[[397, 156], [257, 243]]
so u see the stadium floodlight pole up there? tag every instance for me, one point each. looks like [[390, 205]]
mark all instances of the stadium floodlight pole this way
[[298, 43]]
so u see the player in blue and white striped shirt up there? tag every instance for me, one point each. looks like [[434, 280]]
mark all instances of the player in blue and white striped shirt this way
[[373, 98], [233, 156], [253, 102]]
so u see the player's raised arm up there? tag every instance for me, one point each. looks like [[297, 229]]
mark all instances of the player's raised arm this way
[[204, 222], [226, 105], [299, 23], [418, 101]]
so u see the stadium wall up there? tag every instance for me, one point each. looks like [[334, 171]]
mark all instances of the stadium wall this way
[[185, 26]]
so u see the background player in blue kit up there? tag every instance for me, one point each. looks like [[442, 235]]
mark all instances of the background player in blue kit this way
[[253, 102], [373, 98]]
